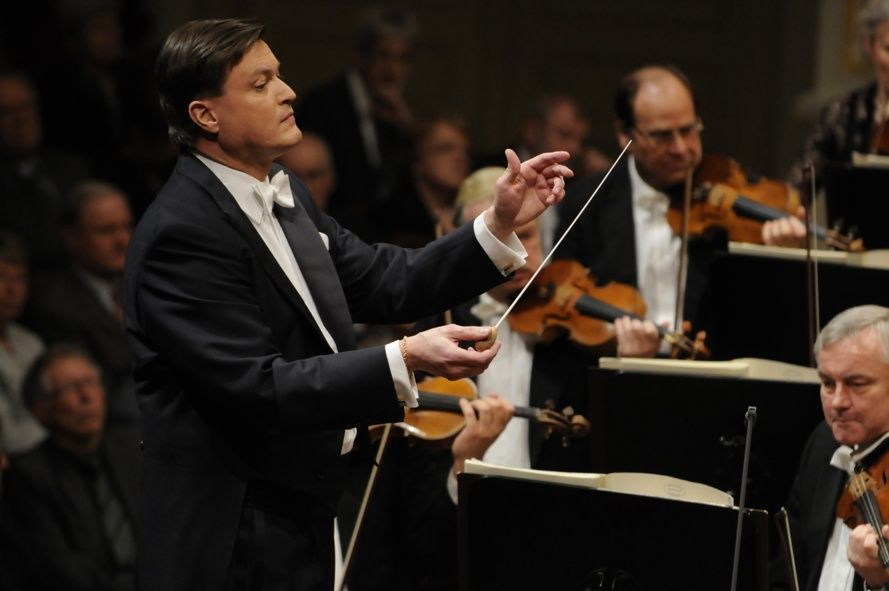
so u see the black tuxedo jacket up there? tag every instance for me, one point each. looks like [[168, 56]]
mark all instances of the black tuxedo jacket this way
[[811, 510], [604, 238], [238, 389]]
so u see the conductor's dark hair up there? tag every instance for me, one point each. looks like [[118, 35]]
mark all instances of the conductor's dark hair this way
[[194, 63]]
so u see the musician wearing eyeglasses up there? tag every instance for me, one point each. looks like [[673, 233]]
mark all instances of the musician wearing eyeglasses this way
[[624, 235]]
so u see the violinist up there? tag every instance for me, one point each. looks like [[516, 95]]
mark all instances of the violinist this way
[[852, 123], [525, 372], [624, 235], [853, 363]]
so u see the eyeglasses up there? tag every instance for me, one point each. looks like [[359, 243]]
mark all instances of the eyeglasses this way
[[664, 137]]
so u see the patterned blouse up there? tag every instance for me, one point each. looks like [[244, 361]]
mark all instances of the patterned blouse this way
[[845, 126]]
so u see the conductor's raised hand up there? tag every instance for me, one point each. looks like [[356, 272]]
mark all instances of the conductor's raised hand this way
[[437, 351], [525, 190]]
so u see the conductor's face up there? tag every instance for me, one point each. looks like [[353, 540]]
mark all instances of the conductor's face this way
[[253, 118], [854, 375]]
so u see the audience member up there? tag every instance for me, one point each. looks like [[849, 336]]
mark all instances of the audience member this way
[[555, 122], [364, 116], [72, 496], [118, 126], [312, 162], [19, 347], [853, 122], [424, 208], [82, 303], [33, 179]]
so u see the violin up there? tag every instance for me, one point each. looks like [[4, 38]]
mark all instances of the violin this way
[[564, 298], [863, 501], [724, 195], [439, 418]]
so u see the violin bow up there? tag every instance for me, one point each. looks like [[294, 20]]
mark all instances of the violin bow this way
[[813, 300], [362, 509], [487, 343], [679, 314]]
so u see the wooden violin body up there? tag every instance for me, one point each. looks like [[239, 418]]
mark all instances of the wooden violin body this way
[[866, 500], [565, 299], [725, 196], [549, 307]]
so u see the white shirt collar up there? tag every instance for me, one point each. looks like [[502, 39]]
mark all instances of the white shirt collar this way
[[239, 184], [846, 457], [644, 195]]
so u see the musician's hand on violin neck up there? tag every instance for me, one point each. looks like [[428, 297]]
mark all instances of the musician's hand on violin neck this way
[[486, 418], [863, 555], [787, 231], [525, 190], [437, 351], [636, 338]]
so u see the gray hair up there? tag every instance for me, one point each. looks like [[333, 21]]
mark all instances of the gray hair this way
[[854, 321], [870, 16]]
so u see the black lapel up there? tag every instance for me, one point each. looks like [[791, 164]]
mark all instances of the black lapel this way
[[618, 228], [194, 169], [315, 262]]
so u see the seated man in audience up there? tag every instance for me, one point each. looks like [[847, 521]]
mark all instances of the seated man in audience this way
[[72, 496], [19, 347], [853, 362], [82, 303]]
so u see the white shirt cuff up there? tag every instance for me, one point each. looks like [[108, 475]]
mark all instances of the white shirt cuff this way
[[507, 256], [405, 384], [452, 486], [348, 440]]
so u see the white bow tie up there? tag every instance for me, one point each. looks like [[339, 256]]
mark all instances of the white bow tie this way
[[653, 202], [277, 190], [488, 309]]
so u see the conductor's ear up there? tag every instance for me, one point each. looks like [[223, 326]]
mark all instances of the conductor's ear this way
[[204, 115]]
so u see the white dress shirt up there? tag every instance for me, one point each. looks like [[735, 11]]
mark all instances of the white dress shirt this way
[[508, 376], [657, 249], [247, 192]]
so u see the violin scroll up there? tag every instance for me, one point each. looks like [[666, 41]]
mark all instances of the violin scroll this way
[[567, 424]]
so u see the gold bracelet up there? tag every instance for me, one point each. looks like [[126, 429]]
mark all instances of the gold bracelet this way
[[404, 353]]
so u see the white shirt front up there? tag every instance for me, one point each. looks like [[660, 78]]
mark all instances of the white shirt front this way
[[657, 249], [508, 376]]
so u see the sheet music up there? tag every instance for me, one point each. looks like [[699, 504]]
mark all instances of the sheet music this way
[[872, 259], [637, 483], [749, 368]]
